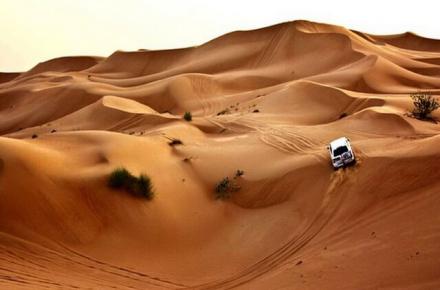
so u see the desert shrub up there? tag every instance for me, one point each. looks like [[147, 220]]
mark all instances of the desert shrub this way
[[175, 142], [239, 173], [224, 112], [120, 178], [143, 187], [256, 111], [424, 104], [187, 116], [34, 136], [225, 188], [343, 115]]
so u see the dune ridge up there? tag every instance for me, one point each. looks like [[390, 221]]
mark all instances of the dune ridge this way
[[266, 102]]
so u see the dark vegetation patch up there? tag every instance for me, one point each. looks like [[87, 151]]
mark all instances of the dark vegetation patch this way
[[140, 186], [187, 116], [343, 115], [175, 142], [424, 104], [226, 187]]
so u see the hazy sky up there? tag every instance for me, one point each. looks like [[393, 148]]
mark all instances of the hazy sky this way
[[32, 31]]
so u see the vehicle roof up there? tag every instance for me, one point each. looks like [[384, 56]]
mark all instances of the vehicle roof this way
[[339, 142]]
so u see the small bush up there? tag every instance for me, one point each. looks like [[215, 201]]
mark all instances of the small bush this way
[[34, 136], [224, 112], [187, 159], [120, 178], [256, 111], [187, 116], [144, 187], [225, 188], [343, 115], [424, 105], [239, 173], [175, 142]]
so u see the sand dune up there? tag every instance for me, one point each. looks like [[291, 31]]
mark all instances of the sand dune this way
[[266, 102], [63, 64], [6, 77]]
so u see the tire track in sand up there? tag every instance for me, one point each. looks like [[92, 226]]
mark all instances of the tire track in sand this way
[[287, 139], [50, 261], [331, 203]]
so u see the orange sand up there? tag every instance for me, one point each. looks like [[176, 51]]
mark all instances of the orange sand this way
[[295, 223]]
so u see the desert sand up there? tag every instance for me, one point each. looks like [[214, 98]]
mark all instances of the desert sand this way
[[265, 101]]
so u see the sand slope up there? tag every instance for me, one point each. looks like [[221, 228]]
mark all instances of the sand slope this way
[[266, 102]]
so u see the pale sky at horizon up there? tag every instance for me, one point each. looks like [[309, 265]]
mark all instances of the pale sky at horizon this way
[[32, 31]]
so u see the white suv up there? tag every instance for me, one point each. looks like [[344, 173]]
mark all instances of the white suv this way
[[341, 153]]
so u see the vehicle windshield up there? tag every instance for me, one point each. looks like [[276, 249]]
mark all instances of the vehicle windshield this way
[[340, 150]]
